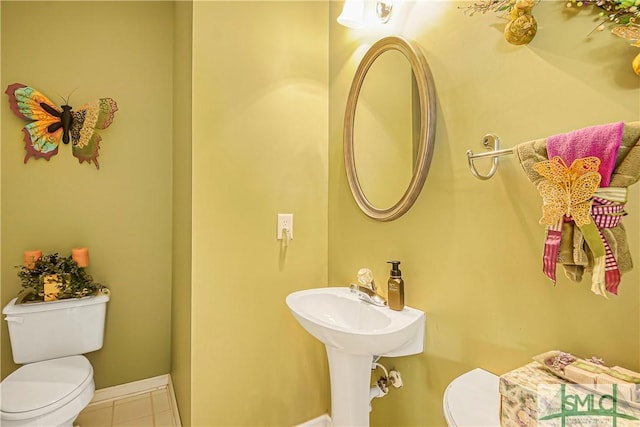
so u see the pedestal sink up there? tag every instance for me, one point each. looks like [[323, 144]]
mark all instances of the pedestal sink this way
[[353, 332]]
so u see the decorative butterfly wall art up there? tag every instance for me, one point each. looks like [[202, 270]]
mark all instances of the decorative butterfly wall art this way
[[48, 124]]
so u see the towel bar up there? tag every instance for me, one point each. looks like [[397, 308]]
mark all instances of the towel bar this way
[[490, 142]]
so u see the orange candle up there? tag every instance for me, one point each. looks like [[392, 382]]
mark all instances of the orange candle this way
[[80, 256], [30, 258]]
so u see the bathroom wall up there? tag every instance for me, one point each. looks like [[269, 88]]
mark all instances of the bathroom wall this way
[[471, 249], [260, 92], [181, 232], [122, 212], [189, 250], [256, 94]]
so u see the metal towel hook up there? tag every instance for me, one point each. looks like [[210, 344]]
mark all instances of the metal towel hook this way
[[490, 142]]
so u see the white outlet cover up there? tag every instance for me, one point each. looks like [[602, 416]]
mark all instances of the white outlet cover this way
[[285, 220]]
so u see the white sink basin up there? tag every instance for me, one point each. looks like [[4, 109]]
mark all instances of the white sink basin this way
[[340, 320]]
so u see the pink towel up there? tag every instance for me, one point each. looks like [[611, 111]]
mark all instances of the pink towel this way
[[600, 141]]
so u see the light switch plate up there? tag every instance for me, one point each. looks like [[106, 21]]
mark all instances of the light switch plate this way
[[285, 221]]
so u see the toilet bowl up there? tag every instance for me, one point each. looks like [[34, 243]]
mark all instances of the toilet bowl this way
[[55, 382], [48, 393], [473, 400]]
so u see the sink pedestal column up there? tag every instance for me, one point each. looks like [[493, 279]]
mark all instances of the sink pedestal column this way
[[350, 376]]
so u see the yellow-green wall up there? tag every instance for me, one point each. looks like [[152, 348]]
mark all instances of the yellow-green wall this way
[[260, 82], [185, 237], [231, 112], [121, 212], [181, 232], [471, 249]]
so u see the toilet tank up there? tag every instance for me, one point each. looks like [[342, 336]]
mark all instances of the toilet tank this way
[[47, 330]]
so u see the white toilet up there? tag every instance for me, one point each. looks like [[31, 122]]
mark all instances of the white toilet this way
[[56, 381], [473, 400]]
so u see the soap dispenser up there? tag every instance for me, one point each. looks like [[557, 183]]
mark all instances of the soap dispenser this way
[[395, 295]]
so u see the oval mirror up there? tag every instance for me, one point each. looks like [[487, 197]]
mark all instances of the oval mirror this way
[[389, 128]]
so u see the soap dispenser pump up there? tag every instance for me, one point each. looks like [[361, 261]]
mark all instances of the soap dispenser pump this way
[[395, 296]]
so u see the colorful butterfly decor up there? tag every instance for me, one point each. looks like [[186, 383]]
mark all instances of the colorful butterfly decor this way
[[48, 124], [567, 191]]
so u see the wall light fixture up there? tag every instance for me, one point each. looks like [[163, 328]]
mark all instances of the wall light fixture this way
[[352, 15], [353, 12]]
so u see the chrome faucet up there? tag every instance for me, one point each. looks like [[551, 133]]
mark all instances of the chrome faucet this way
[[367, 295], [366, 289]]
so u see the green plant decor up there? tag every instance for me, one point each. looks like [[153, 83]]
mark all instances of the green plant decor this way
[[73, 281], [623, 15]]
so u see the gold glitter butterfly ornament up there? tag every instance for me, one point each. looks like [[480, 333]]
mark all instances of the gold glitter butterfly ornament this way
[[567, 191]]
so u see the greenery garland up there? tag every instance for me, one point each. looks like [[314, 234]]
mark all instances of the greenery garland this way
[[522, 27], [74, 282]]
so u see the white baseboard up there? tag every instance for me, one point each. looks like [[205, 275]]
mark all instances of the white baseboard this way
[[323, 420], [164, 381], [133, 388], [174, 403]]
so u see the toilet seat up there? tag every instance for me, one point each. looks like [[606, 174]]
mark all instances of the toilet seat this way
[[473, 400], [40, 388]]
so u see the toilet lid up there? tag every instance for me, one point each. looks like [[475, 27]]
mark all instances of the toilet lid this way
[[473, 399], [40, 384]]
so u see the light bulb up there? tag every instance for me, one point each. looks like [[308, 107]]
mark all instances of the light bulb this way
[[383, 10]]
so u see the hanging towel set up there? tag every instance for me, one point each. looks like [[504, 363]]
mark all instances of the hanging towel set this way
[[583, 177]]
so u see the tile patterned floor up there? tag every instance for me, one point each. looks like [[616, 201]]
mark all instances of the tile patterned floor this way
[[150, 409]]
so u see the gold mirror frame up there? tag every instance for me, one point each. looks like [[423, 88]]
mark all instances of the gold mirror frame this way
[[427, 94]]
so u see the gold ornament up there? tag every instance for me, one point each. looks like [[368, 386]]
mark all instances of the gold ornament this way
[[521, 7], [521, 30], [636, 64], [629, 32], [523, 27]]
